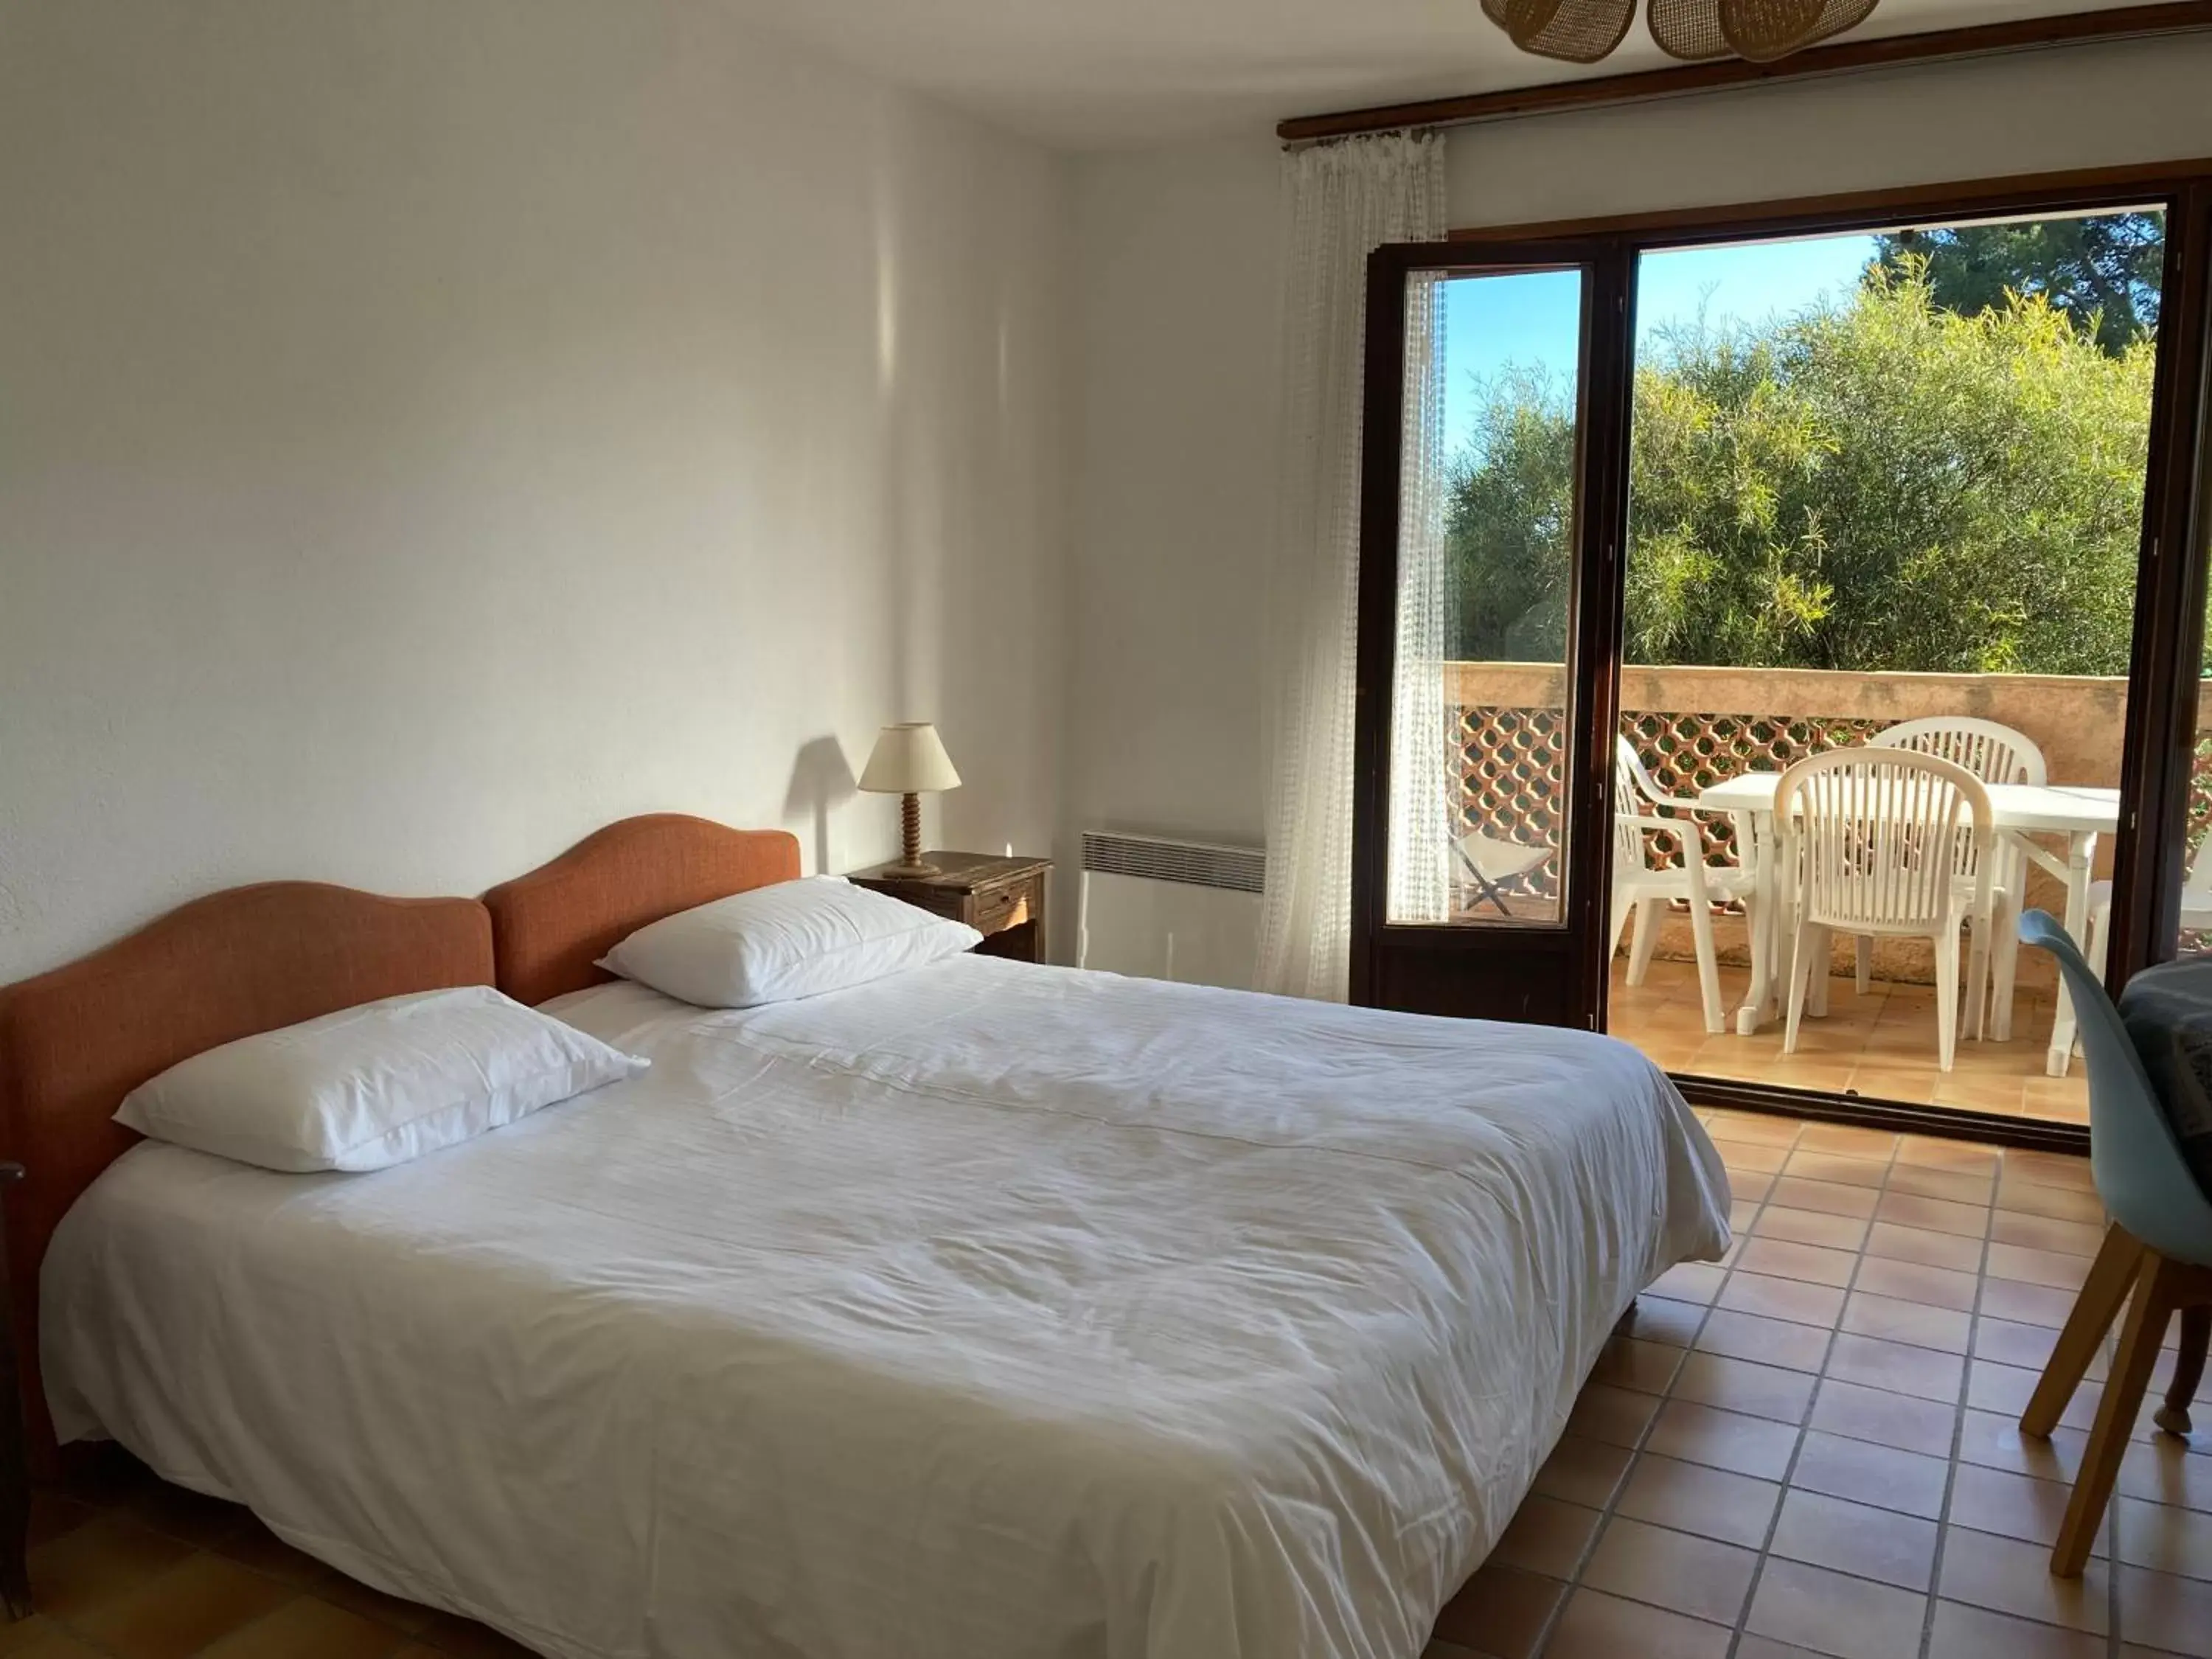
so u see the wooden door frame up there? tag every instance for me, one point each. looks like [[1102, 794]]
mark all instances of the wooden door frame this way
[[2160, 738], [1600, 521]]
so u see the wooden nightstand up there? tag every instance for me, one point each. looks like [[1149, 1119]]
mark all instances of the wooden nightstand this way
[[14, 1455], [1003, 899]]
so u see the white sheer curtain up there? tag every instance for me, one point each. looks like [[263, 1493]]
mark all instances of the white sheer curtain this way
[[1340, 202]]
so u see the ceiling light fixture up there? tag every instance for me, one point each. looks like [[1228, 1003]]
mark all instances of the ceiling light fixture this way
[[1583, 31]]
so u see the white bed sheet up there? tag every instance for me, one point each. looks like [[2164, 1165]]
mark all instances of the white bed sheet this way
[[985, 1312]]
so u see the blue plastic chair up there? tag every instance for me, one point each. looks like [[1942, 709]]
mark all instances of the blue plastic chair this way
[[2159, 1247]]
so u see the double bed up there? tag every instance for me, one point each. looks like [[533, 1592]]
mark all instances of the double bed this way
[[982, 1310]]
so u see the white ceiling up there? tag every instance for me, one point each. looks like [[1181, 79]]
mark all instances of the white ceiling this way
[[1100, 74]]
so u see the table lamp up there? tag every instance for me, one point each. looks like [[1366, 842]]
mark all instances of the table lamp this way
[[907, 759]]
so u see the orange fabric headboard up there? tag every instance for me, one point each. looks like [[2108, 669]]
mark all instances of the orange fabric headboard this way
[[74, 1041], [549, 927]]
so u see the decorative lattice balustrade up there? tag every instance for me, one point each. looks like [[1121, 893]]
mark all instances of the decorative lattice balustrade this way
[[1508, 732]]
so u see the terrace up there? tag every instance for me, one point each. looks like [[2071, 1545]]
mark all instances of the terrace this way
[[1694, 726]]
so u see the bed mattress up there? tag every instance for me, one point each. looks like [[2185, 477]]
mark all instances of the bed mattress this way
[[988, 1311]]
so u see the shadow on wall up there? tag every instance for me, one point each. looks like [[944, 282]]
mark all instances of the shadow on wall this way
[[821, 781]]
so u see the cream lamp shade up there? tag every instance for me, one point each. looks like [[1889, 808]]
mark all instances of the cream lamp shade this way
[[907, 760]]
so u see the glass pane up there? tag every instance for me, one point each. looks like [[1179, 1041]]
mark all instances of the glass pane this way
[[1885, 488], [1478, 818]]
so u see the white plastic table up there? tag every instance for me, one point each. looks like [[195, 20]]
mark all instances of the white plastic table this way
[[2017, 810]]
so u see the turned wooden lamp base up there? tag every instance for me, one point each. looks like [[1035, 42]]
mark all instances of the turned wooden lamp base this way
[[910, 862]]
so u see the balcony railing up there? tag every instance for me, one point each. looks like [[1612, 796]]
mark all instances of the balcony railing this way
[[1694, 726]]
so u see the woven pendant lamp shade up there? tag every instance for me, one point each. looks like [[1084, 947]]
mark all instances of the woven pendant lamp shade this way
[[1760, 30], [1575, 31]]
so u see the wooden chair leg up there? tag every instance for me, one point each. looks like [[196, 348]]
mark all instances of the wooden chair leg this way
[[2112, 1276], [2148, 1312], [2188, 1371]]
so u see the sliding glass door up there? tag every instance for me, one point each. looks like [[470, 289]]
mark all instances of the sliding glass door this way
[[1651, 517]]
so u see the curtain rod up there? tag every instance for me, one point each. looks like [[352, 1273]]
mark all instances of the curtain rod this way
[[1936, 46]]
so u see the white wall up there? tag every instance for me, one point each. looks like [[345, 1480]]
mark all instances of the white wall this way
[[1176, 363], [429, 432], [1175, 475]]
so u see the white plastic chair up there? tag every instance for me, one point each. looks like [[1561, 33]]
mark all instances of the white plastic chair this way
[[1995, 753], [1646, 887], [2196, 907], [1875, 841]]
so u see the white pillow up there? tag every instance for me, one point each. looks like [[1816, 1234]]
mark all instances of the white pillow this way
[[374, 1085], [796, 939]]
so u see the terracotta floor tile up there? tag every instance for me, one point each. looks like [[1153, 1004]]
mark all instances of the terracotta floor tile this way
[[1698, 1576], [1736, 1509], [1963, 1632], [2043, 1232], [259, 1548], [2008, 1576], [2027, 1304], [2005, 1389], [1946, 1330], [176, 1613], [1740, 1385], [1829, 1169], [1901, 1369], [1850, 1618], [1690, 1281], [1783, 1298], [373, 1604], [1912, 1281], [1955, 1188], [2169, 1613], [1837, 1232], [1910, 1482], [304, 1627], [1645, 1367], [464, 1638], [1763, 1128], [2010, 1505], [1892, 1242], [1950, 1156], [1933, 1214], [2050, 1168], [1760, 1647], [1595, 1626], [1778, 1258], [1662, 1319], [2176, 1541], [1830, 1198], [2062, 1203], [1546, 1535], [1767, 1341], [1847, 1537], [2158, 1471], [1586, 1472], [96, 1563], [1849, 1139], [1722, 1440], [195, 1520], [2011, 1344], [54, 1513], [2050, 1267], [1750, 1158], [1617, 1416], [1886, 1419], [1501, 1611], [1993, 1440]]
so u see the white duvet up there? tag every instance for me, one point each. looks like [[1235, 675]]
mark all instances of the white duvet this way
[[985, 1312]]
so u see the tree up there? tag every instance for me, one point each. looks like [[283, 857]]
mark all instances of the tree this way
[[1883, 484], [2108, 267]]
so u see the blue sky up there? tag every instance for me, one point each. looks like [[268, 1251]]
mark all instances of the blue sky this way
[[1531, 320]]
